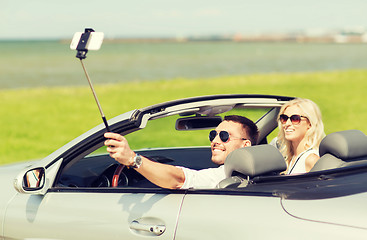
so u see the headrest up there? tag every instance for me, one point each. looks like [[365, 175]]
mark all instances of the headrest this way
[[346, 145], [254, 161]]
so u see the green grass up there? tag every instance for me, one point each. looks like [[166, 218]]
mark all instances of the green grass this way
[[37, 121]]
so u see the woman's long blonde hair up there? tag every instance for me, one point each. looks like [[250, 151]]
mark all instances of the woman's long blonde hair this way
[[313, 136]]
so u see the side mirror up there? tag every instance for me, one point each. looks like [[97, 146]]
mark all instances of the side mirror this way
[[198, 123], [34, 179], [31, 181]]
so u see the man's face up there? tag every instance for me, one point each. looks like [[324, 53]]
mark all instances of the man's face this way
[[220, 150]]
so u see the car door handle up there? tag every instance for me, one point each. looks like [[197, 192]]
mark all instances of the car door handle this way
[[156, 229]]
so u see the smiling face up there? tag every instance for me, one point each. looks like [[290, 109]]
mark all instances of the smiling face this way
[[294, 132], [220, 150]]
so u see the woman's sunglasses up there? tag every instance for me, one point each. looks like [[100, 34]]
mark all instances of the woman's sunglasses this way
[[223, 135], [295, 119]]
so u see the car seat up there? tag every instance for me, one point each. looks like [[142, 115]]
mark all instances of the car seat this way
[[243, 164], [342, 149]]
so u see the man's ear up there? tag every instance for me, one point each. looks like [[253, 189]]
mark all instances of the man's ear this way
[[246, 143]]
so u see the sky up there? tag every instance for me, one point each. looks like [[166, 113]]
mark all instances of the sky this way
[[47, 19]]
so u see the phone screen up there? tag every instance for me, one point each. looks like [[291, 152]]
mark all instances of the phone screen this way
[[94, 42]]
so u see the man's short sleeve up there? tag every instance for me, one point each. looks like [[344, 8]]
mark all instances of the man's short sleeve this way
[[205, 178]]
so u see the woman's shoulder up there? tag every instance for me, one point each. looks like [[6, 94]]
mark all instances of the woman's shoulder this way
[[314, 151], [311, 159]]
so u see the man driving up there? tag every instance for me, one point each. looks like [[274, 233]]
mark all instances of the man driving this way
[[232, 133]]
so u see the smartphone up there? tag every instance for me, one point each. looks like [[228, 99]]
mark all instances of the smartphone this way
[[94, 42]]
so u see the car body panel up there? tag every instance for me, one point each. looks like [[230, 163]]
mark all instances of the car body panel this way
[[348, 210], [250, 217], [8, 174]]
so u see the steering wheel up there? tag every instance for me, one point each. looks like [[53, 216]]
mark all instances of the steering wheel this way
[[119, 178]]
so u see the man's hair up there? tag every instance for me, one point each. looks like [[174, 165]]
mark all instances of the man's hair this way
[[247, 124]]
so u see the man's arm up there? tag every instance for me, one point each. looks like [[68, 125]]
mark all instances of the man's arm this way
[[163, 175]]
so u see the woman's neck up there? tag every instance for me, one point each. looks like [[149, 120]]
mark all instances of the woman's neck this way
[[298, 147]]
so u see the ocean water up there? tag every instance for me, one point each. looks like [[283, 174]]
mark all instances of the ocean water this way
[[26, 64]]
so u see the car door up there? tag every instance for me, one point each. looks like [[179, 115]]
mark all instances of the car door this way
[[54, 211], [93, 214], [218, 214]]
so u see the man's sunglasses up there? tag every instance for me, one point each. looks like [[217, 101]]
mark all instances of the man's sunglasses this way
[[295, 119], [223, 135]]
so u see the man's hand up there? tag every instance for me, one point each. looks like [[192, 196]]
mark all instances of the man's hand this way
[[163, 175], [119, 149]]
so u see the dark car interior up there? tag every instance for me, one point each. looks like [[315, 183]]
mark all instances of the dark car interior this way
[[98, 171], [244, 167], [254, 170]]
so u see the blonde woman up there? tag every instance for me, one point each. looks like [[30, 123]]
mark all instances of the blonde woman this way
[[300, 133]]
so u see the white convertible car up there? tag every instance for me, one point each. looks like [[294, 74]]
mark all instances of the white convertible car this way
[[76, 192]]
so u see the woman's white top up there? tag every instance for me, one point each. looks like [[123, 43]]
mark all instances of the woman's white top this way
[[299, 166]]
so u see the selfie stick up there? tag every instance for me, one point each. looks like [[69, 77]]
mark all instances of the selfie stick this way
[[82, 54]]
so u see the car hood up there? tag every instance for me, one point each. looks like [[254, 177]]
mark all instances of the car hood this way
[[349, 211]]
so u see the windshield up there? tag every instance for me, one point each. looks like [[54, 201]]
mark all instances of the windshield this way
[[162, 133]]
